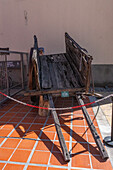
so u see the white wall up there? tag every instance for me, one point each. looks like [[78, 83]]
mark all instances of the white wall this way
[[89, 22]]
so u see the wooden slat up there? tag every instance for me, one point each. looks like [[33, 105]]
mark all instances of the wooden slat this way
[[70, 76], [58, 75], [45, 73], [76, 72], [52, 73]]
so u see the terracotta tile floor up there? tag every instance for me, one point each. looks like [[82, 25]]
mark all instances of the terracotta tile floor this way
[[28, 141]]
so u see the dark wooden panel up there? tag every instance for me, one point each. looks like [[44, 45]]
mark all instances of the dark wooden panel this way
[[52, 73], [76, 72], [45, 73], [69, 74]]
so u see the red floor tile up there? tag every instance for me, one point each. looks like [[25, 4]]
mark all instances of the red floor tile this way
[[57, 159], [11, 143], [79, 148], [36, 168], [20, 156], [5, 119], [4, 132], [79, 137], [79, 129], [13, 167], [94, 149], [50, 127], [52, 168], [81, 161], [50, 121], [40, 157], [90, 111], [66, 136], [17, 133], [26, 144], [1, 139], [32, 134], [27, 120], [9, 126], [5, 153], [45, 145], [65, 128], [23, 127], [48, 135], [90, 138], [36, 127], [57, 147], [39, 120], [16, 119], [79, 122], [1, 113], [1, 165], [20, 115], [98, 163]]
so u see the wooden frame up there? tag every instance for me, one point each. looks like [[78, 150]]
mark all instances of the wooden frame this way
[[42, 84]]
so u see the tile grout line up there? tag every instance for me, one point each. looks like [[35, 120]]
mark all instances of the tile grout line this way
[[31, 154], [19, 142]]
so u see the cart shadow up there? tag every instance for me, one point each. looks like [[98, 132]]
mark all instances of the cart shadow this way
[[23, 131]]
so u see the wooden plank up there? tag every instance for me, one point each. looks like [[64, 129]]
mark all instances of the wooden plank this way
[[58, 75], [75, 59], [52, 73], [61, 77], [45, 73], [93, 129], [76, 72], [57, 91], [59, 132], [70, 77]]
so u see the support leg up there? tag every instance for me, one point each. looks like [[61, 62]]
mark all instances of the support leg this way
[[59, 132], [93, 129], [43, 102]]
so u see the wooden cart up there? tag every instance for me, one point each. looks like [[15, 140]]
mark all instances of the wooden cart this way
[[68, 72]]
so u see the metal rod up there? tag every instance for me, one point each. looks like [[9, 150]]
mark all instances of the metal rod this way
[[15, 52], [112, 120], [6, 76], [22, 71]]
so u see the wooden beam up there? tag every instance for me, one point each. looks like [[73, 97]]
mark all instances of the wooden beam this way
[[59, 132], [41, 92], [96, 137]]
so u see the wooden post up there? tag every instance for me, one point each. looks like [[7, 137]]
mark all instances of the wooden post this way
[[43, 102]]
